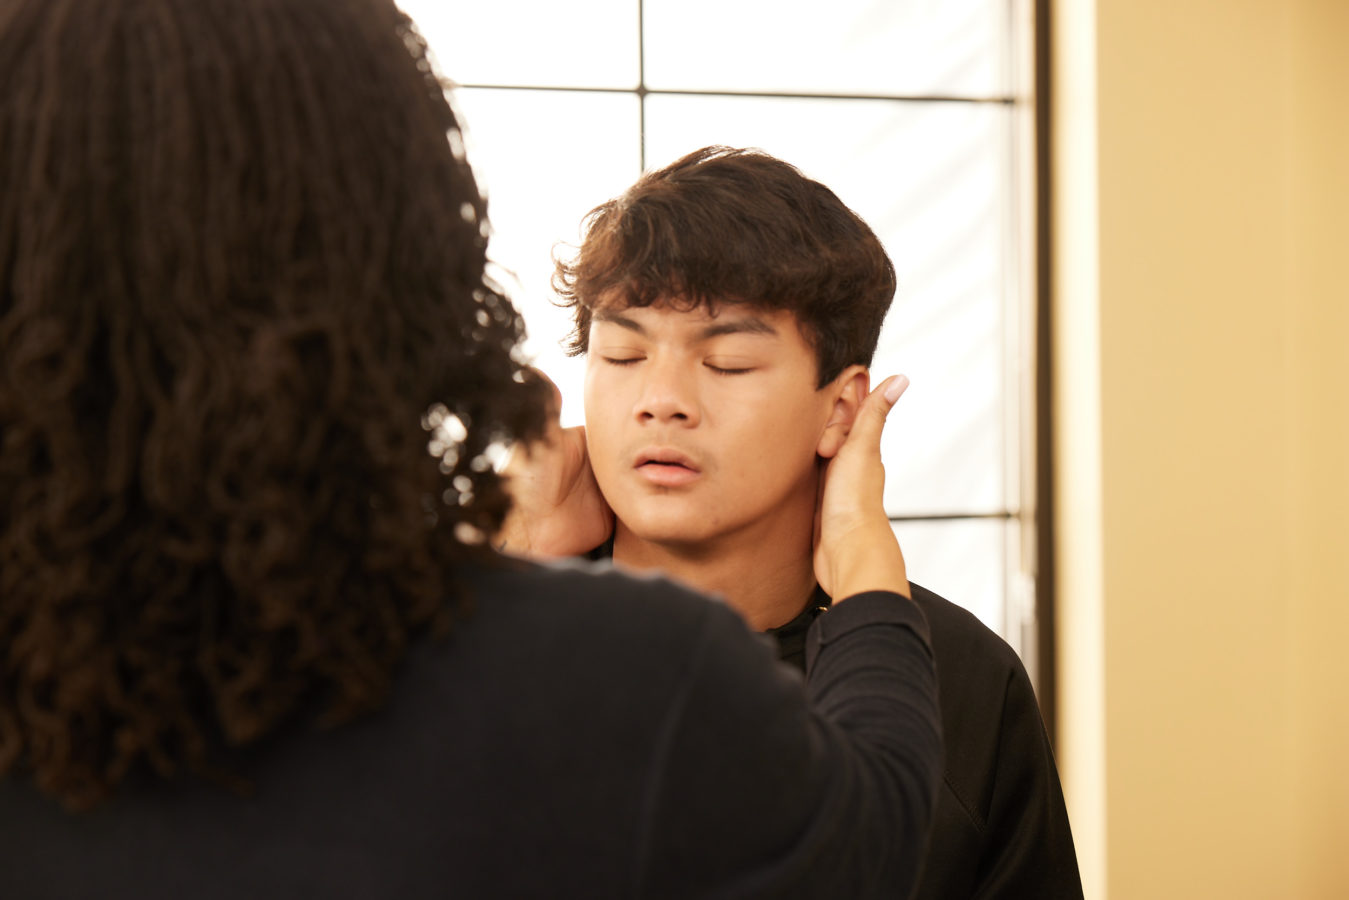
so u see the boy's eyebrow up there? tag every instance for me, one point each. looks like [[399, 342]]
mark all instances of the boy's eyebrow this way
[[745, 325], [617, 318]]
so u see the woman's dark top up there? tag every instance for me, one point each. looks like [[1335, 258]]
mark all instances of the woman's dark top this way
[[576, 737]]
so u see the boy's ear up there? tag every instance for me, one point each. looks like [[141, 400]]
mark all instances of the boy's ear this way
[[847, 392]]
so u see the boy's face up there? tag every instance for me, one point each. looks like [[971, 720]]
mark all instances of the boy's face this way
[[699, 427]]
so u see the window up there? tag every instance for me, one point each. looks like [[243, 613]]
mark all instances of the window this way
[[915, 112]]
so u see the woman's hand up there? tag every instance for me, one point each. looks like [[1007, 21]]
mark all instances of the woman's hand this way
[[856, 549], [557, 507]]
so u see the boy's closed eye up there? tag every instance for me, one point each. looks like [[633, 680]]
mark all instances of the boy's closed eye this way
[[729, 366]]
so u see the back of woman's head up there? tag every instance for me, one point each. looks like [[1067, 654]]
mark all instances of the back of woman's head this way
[[241, 280]]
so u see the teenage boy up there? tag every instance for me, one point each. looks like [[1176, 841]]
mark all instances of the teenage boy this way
[[728, 308]]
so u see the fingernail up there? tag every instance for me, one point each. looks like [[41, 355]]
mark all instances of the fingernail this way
[[896, 388]]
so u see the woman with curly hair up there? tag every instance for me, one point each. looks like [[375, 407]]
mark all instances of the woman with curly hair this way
[[254, 640]]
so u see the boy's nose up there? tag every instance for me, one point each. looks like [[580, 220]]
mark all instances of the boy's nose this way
[[668, 396]]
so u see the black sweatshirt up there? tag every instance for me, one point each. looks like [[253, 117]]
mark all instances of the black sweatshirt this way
[[577, 737], [1001, 827]]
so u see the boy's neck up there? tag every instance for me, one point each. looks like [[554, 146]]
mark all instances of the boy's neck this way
[[767, 575]]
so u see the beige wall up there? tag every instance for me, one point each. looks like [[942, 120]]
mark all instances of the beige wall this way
[[1202, 416], [1318, 348]]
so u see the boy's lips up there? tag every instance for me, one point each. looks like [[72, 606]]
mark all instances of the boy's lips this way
[[666, 468]]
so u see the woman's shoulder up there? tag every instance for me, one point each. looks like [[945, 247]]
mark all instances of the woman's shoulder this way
[[589, 602]]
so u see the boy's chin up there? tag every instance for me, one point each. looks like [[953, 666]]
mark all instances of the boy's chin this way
[[666, 532]]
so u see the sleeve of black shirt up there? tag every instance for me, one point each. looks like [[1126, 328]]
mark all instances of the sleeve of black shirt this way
[[758, 791]]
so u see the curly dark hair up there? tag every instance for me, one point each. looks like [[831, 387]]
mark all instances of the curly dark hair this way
[[725, 225], [242, 293]]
